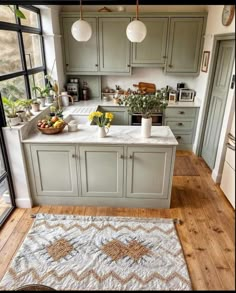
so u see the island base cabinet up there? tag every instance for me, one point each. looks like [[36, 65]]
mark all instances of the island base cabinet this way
[[52, 172], [149, 170], [102, 169]]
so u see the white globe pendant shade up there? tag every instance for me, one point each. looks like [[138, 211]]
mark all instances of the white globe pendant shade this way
[[81, 30], [136, 31]]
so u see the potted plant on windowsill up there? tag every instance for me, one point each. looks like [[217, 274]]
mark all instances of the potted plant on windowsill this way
[[42, 93], [146, 105], [11, 106], [35, 105]]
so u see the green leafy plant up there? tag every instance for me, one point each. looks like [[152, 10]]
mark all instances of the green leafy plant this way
[[146, 104], [11, 106], [17, 11], [101, 119], [43, 92]]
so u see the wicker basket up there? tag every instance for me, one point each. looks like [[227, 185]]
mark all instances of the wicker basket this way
[[52, 130]]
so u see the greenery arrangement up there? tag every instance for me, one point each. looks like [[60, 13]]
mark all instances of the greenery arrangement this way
[[101, 119], [11, 106], [146, 104]]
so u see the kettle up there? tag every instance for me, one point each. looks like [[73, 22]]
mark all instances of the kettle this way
[[65, 99]]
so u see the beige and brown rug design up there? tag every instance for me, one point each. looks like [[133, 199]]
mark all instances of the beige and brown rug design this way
[[69, 252]]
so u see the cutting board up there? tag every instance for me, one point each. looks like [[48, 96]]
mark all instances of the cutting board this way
[[146, 87]]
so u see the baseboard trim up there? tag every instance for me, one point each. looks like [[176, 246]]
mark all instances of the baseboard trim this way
[[216, 177], [23, 203]]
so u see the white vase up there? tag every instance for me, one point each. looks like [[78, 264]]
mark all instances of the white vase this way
[[102, 131], [146, 126]]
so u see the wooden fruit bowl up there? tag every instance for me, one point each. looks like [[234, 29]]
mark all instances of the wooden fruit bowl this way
[[52, 130]]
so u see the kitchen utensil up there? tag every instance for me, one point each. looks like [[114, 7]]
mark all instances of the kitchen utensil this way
[[146, 87]]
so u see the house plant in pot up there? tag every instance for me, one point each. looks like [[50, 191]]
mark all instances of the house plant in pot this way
[[146, 105], [35, 105], [103, 121], [11, 106], [42, 92]]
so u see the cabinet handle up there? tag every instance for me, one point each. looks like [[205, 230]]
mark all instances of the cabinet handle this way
[[128, 65], [181, 112], [180, 124], [67, 64], [96, 65], [121, 157], [164, 57], [178, 137], [130, 156], [170, 65], [73, 156]]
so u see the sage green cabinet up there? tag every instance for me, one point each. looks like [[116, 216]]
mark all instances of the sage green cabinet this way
[[184, 45], [149, 170], [53, 171], [80, 57], [102, 171], [151, 52], [121, 116], [114, 45]]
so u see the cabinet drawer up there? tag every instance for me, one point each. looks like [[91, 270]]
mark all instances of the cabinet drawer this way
[[185, 138], [182, 124], [180, 112]]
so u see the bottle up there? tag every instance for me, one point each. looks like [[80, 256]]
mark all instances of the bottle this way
[[85, 91]]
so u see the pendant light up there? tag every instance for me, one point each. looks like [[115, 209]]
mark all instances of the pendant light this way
[[81, 30], [136, 30]]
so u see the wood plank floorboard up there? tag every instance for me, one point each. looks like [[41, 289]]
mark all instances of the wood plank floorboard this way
[[206, 231]]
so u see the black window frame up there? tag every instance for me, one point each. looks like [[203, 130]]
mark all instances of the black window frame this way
[[20, 29]]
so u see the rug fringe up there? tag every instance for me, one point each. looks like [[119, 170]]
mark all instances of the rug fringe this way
[[178, 221]]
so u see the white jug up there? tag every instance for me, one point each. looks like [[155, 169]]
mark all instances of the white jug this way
[[65, 99]]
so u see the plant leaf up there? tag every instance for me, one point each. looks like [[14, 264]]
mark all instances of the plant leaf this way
[[19, 13]]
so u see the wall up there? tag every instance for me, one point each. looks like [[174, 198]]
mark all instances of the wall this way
[[215, 27]]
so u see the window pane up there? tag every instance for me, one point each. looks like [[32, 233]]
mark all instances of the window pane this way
[[5, 199], [32, 50], [31, 18], [36, 80], [2, 167], [6, 14], [9, 53], [14, 86]]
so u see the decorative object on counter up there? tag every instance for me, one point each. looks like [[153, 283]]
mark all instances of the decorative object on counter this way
[[136, 30], [146, 105], [81, 30], [35, 105], [205, 61], [85, 90], [72, 126], [104, 9], [145, 87], [186, 95], [106, 90], [51, 125], [103, 121], [172, 97], [26, 104], [52, 111], [65, 99]]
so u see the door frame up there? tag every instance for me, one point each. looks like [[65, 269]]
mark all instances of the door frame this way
[[209, 87]]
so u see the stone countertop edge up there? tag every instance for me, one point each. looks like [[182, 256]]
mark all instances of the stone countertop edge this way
[[118, 135]]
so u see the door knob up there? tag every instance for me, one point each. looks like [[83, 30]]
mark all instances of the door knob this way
[[178, 137], [130, 156], [181, 112], [170, 65], [180, 124]]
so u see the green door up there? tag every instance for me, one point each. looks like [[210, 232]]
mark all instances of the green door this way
[[114, 45], [152, 50], [102, 169], [54, 168], [80, 56], [215, 115], [148, 172], [185, 40]]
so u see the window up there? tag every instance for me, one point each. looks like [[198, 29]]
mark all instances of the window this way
[[22, 58]]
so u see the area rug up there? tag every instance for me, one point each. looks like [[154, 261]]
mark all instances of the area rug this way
[[184, 167], [67, 252]]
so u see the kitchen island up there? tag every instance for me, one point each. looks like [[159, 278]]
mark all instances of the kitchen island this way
[[121, 170]]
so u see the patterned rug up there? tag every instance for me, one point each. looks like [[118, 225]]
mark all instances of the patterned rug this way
[[68, 252]]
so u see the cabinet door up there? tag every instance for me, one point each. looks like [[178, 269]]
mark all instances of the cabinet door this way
[[184, 45], [120, 115], [102, 170], [152, 50], [80, 56], [148, 172], [54, 170], [114, 45]]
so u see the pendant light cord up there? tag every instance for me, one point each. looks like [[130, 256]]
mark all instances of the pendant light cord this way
[[80, 9], [136, 9]]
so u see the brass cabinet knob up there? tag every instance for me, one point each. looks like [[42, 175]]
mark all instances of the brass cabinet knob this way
[[170, 65], [121, 157], [178, 137], [130, 156], [181, 112], [180, 124]]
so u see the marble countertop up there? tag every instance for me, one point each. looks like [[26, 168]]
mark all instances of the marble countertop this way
[[118, 135]]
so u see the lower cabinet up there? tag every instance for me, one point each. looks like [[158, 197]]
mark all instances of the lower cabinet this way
[[121, 116], [102, 175]]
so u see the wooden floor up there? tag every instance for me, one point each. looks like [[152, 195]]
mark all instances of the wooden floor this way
[[207, 232]]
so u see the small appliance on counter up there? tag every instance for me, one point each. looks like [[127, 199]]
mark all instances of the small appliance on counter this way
[[73, 89]]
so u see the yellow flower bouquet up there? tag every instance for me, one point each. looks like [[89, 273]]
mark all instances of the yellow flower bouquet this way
[[101, 119]]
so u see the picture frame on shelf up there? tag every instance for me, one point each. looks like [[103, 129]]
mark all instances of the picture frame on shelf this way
[[186, 95], [172, 97], [205, 61]]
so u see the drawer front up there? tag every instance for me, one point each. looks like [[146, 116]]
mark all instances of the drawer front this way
[[181, 124], [185, 138], [180, 112]]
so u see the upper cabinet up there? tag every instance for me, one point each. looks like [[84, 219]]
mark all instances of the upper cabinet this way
[[151, 52], [80, 56], [114, 45], [174, 42], [184, 45]]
